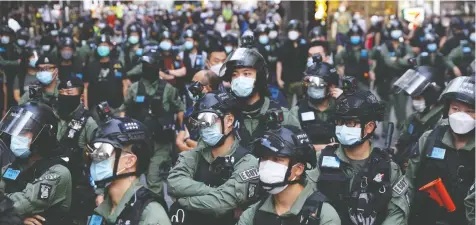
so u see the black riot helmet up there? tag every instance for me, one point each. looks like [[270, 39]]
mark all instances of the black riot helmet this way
[[261, 29], [361, 106], [325, 71], [247, 57], [456, 23], [134, 27], [395, 29], [23, 34], [294, 25], [459, 89], [103, 38], [151, 63], [317, 33], [419, 81], [113, 137], [230, 39], [32, 123], [289, 142], [155, 30], [66, 43], [6, 30], [52, 29], [188, 33], [210, 109], [66, 32]]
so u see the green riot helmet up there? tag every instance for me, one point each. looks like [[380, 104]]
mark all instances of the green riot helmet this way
[[32, 127], [113, 138], [243, 86], [287, 142], [357, 107]]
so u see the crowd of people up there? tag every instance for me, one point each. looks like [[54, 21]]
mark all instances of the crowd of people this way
[[243, 117]]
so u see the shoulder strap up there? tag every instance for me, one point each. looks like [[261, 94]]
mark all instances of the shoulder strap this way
[[77, 123], [161, 88], [141, 89], [313, 205], [136, 206], [239, 153]]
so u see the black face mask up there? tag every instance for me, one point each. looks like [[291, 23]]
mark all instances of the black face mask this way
[[67, 104], [149, 73]]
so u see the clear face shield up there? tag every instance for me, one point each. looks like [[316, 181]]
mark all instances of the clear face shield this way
[[22, 123], [412, 83]]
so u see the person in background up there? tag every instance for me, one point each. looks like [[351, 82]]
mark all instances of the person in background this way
[[10, 61], [456, 28], [343, 19], [462, 56], [230, 42], [24, 81]]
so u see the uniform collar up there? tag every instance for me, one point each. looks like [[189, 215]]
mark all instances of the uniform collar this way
[[295, 209], [105, 208], [448, 140], [340, 153], [207, 151], [330, 105]]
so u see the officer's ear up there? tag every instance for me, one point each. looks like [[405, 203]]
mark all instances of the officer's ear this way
[[369, 127], [229, 120], [297, 170]]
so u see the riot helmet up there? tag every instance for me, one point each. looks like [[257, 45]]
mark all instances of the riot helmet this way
[[111, 141], [134, 33], [32, 127], [22, 37], [230, 42], [431, 41], [52, 29], [318, 77], [209, 113], [66, 48], [459, 89], [66, 32], [294, 29], [261, 32], [151, 61], [104, 45], [6, 34], [166, 41], [246, 57], [317, 33], [355, 35], [287, 142], [395, 30], [458, 98], [359, 107], [190, 37], [47, 43]]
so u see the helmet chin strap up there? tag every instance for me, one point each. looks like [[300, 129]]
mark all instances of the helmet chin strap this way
[[103, 183], [222, 140], [363, 139]]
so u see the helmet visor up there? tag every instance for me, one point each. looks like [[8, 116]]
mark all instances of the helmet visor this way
[[317, 82], [269, 145], [21, 122], [100, 151], [204, 120], [411, 82], [462, 88]]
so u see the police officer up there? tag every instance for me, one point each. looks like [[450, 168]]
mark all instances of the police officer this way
[[284, 155], [419, 84], [27, 75], [461, 57], [268, 48], [22, 36], [70, 65], [446, 160], [193, 58], [104, 78], [292, 62], [469, 203], [317, 33], [394, 55], [10, 60], [132, 50], [38, 181], [216, 56], [431, 57], [155, 102], [315, 110], [48, 46], [456, 28], [219, 177], [47, 75], [246, 69], [362, 182], [353, 60], [7, 212], [172, 63], [120, 153], [230, 42]]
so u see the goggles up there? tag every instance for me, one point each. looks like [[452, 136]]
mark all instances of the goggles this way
[[100, 151], [316, 82], [204, 120]]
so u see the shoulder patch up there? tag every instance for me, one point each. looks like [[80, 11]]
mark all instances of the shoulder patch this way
[[401, 186], [44, 192], [252, 191], [249, 174], [50, 177]]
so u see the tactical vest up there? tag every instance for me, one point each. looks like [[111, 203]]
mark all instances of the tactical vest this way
[[456, 170], [149, 109], [398, 53], [468, 58], [106, 87], [132, 212], [245, 136], [213, 175], [312, 205], [357, 68], [17, 180], [199, 62], [319, 132], [369, 193]]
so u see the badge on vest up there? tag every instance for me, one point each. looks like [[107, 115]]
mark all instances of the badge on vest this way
[[466, 50], [140, 98], [249, 174], [251, 190], [11, 174], [410, 128], [330, 161], [95, 220], [401, 186], [79, 75], [379, 177], [118, 74], [2, 50], [437, 153], [308, 116], [44, 192]]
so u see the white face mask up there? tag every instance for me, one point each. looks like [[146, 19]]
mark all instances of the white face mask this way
[[461, 123], [273, 34], [216, 68], [271, 173], [309, 62], [293, 35], [419, 105]]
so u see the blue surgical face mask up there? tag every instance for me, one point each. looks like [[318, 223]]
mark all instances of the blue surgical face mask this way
[[21, 42], [188, 45], [211, 135], [133, 39], [101, 170], [348, 135], [32, 62], [103, 51], [396, 34], [263, 39], [228, 49], [139, 52], [432, 47], [5, 39], [19, 146], [316, 93], [165, 45], [355, 40], [309, 62], [242, 86], [45, 77]]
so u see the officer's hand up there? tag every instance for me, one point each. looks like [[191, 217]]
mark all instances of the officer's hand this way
[[99, 199], [35, 220], [336, 92], [456, 71], [281, 84]]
